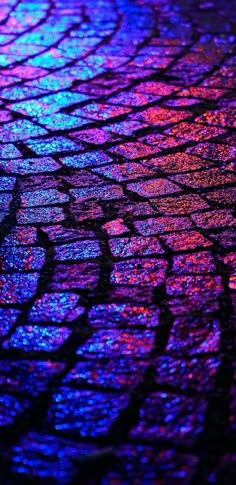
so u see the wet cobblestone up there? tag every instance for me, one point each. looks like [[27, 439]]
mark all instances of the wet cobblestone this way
[[117, 242]]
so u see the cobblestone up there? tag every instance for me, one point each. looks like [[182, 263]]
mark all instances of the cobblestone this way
[[117, 242]]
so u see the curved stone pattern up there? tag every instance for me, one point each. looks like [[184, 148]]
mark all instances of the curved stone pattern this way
[[117, 242]]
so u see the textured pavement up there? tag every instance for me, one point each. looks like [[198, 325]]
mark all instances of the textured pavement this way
[[117, 242]]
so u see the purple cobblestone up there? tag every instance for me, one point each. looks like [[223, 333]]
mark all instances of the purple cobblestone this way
[[117, 242]]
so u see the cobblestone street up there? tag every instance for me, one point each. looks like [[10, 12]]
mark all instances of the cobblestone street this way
[[117, 242]]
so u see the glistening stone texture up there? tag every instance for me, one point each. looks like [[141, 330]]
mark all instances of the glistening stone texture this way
[[117, 242]]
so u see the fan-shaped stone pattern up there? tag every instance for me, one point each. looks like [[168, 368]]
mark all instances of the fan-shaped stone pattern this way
[[117, 241]]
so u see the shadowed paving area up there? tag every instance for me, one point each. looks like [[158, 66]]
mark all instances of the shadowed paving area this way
[[117, 242]]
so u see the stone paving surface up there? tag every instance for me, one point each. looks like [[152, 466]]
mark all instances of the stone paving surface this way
[[117, 254]]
